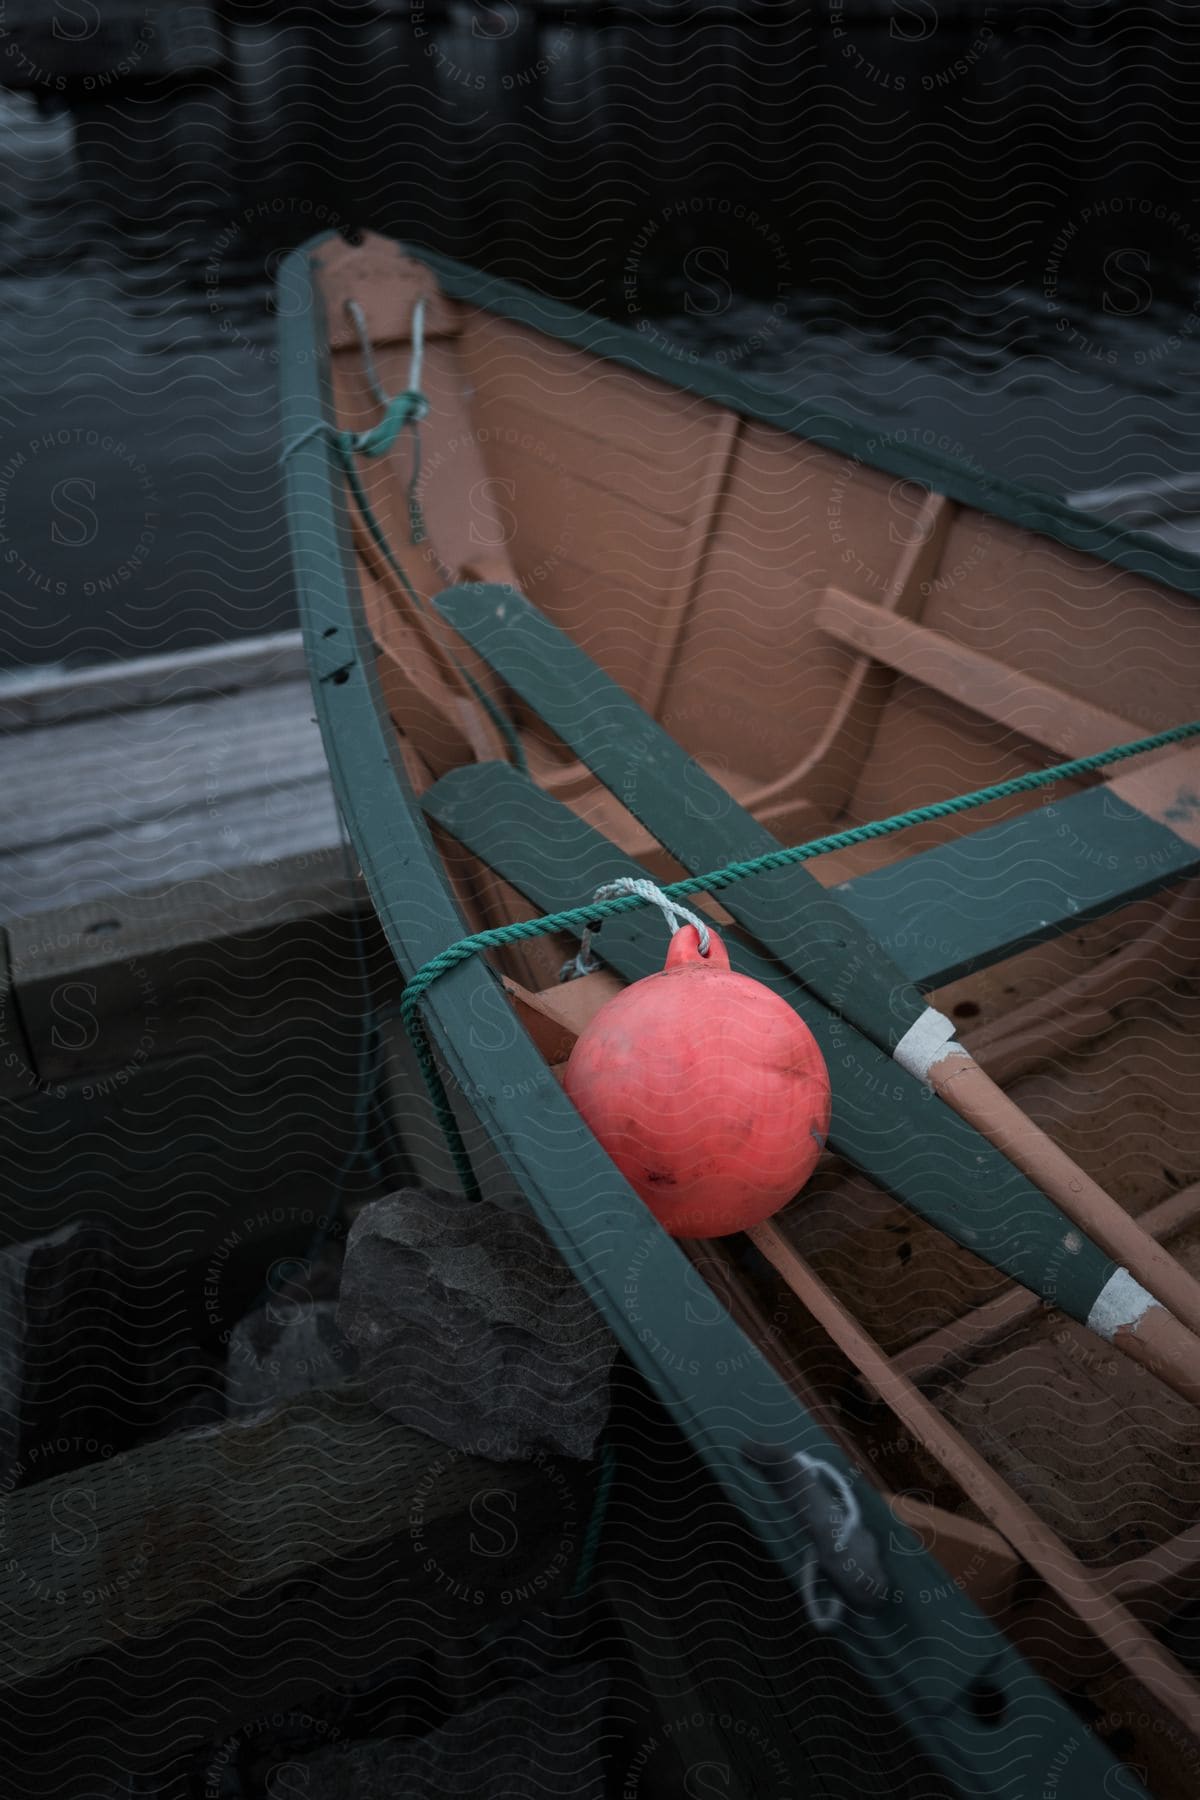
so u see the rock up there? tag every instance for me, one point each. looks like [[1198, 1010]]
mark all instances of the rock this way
[[520, 1742], [282, 1350], [181, 1387], [64, 1350], [471, 1327]]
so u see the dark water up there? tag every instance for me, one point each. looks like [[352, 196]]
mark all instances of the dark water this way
[[971, 226]]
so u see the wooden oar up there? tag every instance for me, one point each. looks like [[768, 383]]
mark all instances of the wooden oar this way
[[819, 940], [1147, 1333], [1076, 1587]]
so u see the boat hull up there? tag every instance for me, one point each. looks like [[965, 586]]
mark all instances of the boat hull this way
[[861, 695]]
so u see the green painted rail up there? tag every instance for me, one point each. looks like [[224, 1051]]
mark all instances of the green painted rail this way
[[992, 893]]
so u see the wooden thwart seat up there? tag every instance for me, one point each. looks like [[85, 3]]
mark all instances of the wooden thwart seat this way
[[1032, 709]]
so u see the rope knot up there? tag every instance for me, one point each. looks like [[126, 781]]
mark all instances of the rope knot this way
[[408, 407], [672, 912], [584, 964]]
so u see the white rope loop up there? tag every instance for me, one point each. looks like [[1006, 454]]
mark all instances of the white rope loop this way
[[358, 319], [830, 1518], [674, 914], [671, 910], [823, 1614], [417, 403], [827, 1613], [851, 1511], [418, 349]]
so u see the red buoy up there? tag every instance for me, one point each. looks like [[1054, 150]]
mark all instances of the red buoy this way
[[706, 1089]]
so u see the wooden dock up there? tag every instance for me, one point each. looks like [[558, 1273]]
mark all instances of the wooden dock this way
[[159, 771], [190, 974], [181, 921]]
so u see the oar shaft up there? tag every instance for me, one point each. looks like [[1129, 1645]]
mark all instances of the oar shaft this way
[[1075, 1588], [1165, 1347], [961, 1083]]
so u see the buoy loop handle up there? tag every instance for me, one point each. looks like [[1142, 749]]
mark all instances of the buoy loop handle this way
[[672, 912], [583, 963]]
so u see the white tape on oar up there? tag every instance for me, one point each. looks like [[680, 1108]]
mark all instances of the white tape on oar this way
[[924, 1042], [1119, 1305]]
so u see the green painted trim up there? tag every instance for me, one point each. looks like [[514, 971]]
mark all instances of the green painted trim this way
[[928, 1651], [956, 908]]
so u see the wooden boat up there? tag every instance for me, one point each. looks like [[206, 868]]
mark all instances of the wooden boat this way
[[582, 608]]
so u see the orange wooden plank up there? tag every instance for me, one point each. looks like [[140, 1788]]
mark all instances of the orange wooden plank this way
[[1032, 709]]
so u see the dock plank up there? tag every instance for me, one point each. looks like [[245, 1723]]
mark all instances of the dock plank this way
[[261, 827], [45, 696], [160, 771], [107, 774]]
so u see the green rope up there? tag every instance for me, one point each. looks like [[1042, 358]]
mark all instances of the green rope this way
[[580, 916], [406, 408], [374, 443], [595, 1526], [503, 725]]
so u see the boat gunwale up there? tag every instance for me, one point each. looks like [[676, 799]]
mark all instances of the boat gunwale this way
[[900, 1650]]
